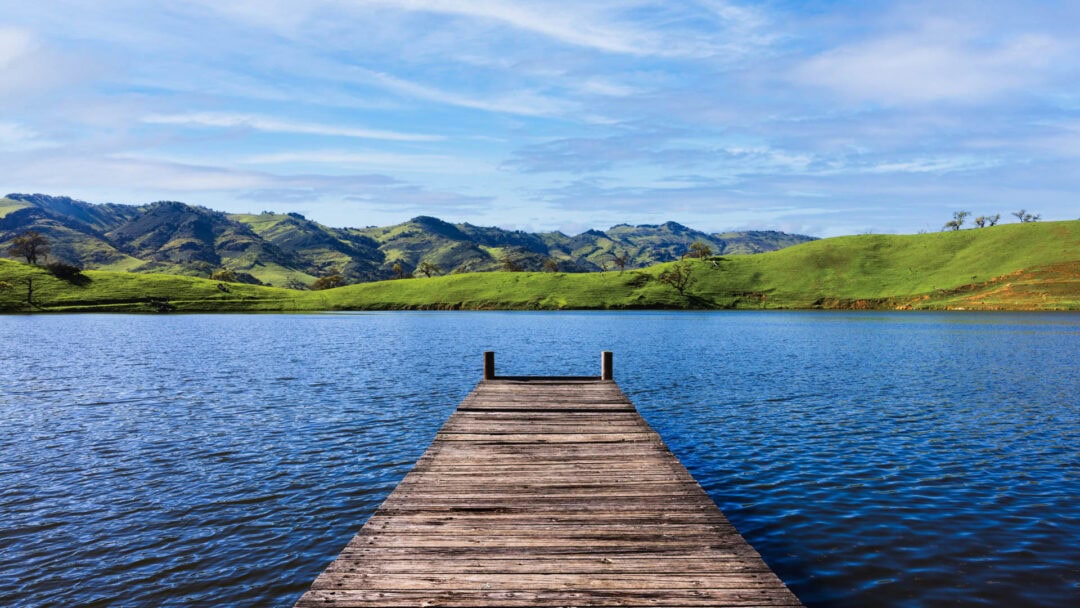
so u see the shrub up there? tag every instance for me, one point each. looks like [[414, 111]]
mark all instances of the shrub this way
[[328, 282], [67, 272], [224, 274]]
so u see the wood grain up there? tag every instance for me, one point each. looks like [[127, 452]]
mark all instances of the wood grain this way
[[547, 492]]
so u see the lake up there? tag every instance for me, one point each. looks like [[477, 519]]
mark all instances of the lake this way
[[873, 459]]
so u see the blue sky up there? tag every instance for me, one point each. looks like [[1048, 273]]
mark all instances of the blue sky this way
[[822, 118]]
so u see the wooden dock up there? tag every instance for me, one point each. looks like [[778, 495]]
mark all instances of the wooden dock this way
[[548, 492]]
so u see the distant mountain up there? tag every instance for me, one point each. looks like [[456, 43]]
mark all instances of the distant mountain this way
[[290, 250]]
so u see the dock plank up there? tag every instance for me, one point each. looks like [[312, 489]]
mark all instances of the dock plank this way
[[547, 492]]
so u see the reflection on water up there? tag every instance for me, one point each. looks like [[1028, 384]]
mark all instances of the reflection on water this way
[[873, 459]]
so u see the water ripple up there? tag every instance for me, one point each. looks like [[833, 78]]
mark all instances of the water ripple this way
[[872, 459]]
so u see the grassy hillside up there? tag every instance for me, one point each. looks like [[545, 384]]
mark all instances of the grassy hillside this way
[[289, 250], [8, 205], [1034, 266], [105, 291]]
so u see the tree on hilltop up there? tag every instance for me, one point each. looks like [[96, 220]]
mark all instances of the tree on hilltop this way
[[957, 221], [30, 245], [1026, 217], [699, 249]]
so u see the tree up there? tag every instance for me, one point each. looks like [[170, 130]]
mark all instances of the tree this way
[[980, 221], [30, 245], [551, 265], [987, 220], [224, 274], [398, 270], [957, 220], [328, 282], [1026, 217], [621, 261], [428, 268], [679, 276], [699, 249], [509, 264]]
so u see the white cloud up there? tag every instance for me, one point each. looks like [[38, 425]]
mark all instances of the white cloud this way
[[433, 163], [264, 123], [17, 137], [572, 24], [523, 103], [932, 165], [941, 62], [14, 44]]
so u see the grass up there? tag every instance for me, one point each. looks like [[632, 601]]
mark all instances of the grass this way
[[8, 206], [1034, 266]]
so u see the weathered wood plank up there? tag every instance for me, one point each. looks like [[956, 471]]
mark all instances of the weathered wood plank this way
[[748, 598], [548, 493], [733, 563]]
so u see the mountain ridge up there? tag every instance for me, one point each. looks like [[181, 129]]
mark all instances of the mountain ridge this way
[[289, 250]]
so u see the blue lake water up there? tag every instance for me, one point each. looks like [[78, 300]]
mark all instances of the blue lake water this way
[[874, 459]]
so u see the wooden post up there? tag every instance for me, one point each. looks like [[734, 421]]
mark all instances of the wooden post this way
[[489, 365], [606, 369]]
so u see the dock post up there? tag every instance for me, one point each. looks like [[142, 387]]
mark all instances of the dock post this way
[[606, 369], [489, 365]]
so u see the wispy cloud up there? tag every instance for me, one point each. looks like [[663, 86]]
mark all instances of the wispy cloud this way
[[520, 102], [718, 112], [17, 137], [941, 61], [578, 24], [443, 164], [273, 125]]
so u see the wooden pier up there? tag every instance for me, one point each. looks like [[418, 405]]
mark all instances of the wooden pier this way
[[547, 491]]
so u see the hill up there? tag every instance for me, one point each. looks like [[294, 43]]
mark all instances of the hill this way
[[289, 250], [1032, 266]]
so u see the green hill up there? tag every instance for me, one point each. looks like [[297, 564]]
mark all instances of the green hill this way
[[289, 250], [1032, 266]]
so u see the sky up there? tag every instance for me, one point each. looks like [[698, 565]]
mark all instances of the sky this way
[[820, 118]]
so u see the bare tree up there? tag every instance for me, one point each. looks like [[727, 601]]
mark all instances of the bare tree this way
[[679, 276], [992, 220], [428, 268], [621, 261], [30, 245]]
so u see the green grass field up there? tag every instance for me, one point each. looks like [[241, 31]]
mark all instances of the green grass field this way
[[1034, 266]]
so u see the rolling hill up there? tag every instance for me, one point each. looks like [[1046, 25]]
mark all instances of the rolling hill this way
[[289, 250], [1032, 266]]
